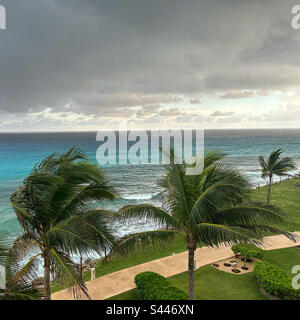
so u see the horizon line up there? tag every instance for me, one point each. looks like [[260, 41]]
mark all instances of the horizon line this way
[[86, 131]]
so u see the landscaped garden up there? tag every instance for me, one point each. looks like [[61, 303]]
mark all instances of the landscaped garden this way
[[211, 283], [285, 194]]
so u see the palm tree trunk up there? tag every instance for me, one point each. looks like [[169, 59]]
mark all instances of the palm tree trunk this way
[[191, 267], [269, 189], [47, 279], [80, 267], [104, 260]]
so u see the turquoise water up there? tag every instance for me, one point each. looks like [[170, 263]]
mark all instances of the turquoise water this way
[[134, 183]]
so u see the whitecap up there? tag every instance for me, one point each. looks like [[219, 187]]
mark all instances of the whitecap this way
[[141, 196]]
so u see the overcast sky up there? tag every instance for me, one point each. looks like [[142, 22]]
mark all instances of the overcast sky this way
[[89, 64]]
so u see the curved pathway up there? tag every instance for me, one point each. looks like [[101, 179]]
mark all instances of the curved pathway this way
[[121, 281]]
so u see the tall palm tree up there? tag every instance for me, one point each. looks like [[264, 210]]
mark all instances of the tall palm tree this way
[[17, 280], [208, 209], [53, 209], [274, 166]]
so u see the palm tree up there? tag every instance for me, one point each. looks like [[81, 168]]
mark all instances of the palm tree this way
[[17, 284], [275, 166], [208, 209], [53, 208]]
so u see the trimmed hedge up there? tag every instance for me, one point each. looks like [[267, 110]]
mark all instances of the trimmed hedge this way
[[153, 286], [248, 250], [275, 281]]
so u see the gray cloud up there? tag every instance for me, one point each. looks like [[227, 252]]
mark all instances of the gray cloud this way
[[237, 94], [101, 57]]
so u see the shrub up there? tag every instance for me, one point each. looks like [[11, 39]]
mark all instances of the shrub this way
[[275, 281], [153, 286], [248, 251]]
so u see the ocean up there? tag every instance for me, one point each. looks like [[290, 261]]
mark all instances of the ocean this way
[[134, 183]]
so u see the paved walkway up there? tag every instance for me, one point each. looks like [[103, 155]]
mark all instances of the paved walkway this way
[[121, 281]]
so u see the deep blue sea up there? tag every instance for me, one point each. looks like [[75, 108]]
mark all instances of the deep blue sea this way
[[134, 183]]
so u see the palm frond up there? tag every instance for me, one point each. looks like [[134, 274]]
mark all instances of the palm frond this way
[[283, 166], [55, 162], [274, 157], [179, 193], [260, 231], [157, 239], [212, 157], [3, 251], [72, 155], [276, 166], [19, 253], [32, 201], [264, 167], [21, 292], [18, 276], [252, 213], [225, 172], [71, 199], [148, 212], [82, 173], [214, 235], [82, 233], [216, 196], [66, 274]]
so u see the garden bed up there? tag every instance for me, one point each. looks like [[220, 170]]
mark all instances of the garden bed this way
[[228, 265]]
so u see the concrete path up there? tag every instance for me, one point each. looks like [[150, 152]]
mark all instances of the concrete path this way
[[123, 280]]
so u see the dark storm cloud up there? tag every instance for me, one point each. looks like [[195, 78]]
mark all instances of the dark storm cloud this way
[[125, 53]]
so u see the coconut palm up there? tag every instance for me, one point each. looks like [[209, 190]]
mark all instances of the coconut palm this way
[[275, 166], [208, 209], [53, 208], [16, 283]]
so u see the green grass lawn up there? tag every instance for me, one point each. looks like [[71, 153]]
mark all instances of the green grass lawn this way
[[287, 197], [213, 284], [284, 258]]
